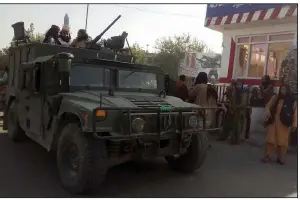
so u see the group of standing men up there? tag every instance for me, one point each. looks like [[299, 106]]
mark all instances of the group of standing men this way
[[281, 111], [206, 95], [62, 37]]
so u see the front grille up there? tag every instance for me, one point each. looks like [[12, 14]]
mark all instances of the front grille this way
[[147, 102], [150, 118], [151, 125]]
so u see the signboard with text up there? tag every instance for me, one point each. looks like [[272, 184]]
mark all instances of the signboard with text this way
[[195, 62], [214, 10]]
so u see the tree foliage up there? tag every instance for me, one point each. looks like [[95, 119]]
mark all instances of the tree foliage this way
[[139, 54], [172, 49]]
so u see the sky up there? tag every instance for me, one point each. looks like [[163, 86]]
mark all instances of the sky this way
[[143, 23]]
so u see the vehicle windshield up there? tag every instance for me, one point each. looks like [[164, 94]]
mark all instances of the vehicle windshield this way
[[135, 79], [89, 75]]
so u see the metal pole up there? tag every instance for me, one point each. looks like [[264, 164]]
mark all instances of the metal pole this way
[[86, 16]]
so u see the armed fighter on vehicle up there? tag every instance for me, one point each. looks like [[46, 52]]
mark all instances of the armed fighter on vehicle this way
[[96, 109]]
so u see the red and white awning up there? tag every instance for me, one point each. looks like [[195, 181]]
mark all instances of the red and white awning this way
[[272, 13]]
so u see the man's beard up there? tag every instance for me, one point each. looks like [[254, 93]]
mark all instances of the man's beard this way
[[81, 38], [65, 38]]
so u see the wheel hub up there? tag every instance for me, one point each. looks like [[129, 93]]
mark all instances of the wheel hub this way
[[72, 159]]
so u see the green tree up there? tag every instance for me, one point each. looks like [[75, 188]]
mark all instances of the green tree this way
[[139, 54], [34, 37], [172, 49]]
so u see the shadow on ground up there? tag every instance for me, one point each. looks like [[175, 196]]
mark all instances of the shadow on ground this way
[[27, 170]]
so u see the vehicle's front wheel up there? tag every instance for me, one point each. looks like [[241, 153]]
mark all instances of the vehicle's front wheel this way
[[194, 158], [14, 132], [81, 160]]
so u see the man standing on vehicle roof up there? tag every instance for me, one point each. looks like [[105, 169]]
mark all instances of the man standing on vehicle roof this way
[[64, 36], [81, 40], [51, 36]]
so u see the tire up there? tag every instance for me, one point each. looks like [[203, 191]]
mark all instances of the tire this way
[[194, 158], [90, 167], [14, 132]]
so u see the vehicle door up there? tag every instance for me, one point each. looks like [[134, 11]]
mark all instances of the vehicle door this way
[[29, 98]]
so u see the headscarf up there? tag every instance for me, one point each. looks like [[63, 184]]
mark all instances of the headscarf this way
[[201, 78], [64, 35]]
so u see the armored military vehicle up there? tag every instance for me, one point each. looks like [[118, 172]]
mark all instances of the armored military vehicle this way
[[97, 109]]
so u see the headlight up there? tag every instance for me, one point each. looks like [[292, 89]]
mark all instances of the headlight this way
[[193, 121], [138, 124]]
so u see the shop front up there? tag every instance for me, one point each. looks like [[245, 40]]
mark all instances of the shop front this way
[[256, 39]]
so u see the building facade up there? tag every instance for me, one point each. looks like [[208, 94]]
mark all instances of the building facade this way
[[256, 39]]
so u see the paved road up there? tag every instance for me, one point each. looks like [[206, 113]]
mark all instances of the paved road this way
[[27, 170]]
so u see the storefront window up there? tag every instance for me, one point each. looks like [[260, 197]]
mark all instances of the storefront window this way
[[279, 37], [257, 61], [242, 60], [259, 38], [277, 53], [266, 53]]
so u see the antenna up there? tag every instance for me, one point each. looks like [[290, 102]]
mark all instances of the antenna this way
[[86, 15]]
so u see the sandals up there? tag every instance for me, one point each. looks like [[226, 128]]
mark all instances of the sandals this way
[[267, 159], [280, 161]]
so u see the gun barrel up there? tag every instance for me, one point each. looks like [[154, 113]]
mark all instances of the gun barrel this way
[[101, 34]]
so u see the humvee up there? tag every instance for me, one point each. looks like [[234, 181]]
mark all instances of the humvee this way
[[96, 110], [96, 113]]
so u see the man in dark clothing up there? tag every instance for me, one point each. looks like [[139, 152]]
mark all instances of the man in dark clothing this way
[[181, 88], [266, 89], [51, 36]]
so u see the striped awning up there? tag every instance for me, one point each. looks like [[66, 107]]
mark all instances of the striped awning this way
[[265, 14]]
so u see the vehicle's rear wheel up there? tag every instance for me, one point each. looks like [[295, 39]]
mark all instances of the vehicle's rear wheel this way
[[81, 160], [15, 132], [194, 158]]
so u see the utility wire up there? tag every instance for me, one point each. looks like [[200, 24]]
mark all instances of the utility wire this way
[[159, 12]]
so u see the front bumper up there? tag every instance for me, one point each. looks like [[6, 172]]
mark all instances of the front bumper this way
[[158, 113]]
